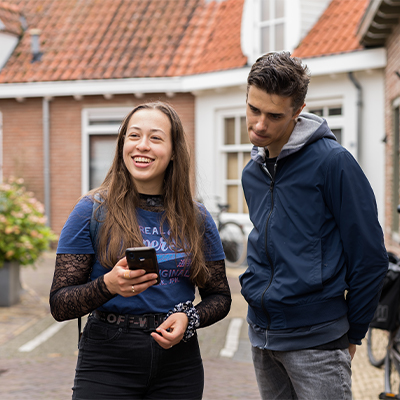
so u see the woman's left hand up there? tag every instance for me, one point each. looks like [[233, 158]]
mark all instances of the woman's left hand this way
[[176, 324]]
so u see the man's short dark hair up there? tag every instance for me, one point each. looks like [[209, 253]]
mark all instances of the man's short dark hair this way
[[278, 73]]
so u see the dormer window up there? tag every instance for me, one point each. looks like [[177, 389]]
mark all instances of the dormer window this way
[[276, 25], [272, 25]]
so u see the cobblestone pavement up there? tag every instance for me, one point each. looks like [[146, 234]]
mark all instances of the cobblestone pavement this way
[[50, 376]]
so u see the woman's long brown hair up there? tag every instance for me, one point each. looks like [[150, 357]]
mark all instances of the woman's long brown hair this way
[[119, 195]]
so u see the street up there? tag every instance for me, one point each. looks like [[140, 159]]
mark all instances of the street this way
[[38, 355]]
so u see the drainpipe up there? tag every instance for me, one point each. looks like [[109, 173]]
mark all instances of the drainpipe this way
[[359, 114], [46, 158]]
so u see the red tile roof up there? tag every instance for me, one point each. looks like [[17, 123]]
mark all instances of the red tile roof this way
[[10, 19], [335, 31], [115, 39]]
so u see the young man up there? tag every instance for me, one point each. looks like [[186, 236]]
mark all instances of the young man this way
[[316, 257]]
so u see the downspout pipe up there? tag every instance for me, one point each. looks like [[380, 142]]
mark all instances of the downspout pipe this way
[[359, 114], [46, 158]]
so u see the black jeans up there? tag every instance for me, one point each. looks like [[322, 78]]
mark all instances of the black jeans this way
[[118, 362]]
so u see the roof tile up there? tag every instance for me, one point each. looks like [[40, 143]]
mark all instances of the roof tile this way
[[115, 39], [11, 19], [335, 31]]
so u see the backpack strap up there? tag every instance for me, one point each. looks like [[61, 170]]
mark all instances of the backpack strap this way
[[96, 221], [94, 226]]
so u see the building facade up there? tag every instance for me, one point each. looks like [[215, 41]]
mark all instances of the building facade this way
[[380, 27], [61, 103]]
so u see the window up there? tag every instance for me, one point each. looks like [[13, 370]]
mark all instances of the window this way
[[101, 153], [332, 112], [272, 25], [396, 166], [99, 134], [235, 151], [338, 133]]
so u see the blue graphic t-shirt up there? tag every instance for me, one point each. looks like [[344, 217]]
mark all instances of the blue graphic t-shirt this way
[[175, 286]]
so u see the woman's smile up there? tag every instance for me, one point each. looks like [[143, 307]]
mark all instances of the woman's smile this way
[[142, 161]]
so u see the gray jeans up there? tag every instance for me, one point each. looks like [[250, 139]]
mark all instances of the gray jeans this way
[[303, 374]]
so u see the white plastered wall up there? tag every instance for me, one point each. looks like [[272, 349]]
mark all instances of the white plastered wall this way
[[373, 133], [370, 152], [208, 105], [7, 45]]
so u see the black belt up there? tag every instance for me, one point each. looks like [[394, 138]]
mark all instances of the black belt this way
[[145, 321]]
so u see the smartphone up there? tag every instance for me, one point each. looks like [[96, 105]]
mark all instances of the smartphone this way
[[143, 258]]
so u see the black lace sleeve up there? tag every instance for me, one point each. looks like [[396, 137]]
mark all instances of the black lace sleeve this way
[[215, 296], [71, 295]]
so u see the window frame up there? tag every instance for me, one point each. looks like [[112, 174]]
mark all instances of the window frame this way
[[333, 121], [88, 130], [223, 151], [272, 23]]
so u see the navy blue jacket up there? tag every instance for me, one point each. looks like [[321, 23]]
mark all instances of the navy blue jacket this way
[[316, 252]]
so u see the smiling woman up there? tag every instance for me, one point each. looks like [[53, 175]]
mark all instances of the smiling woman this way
[[148, 149], [140, 339]]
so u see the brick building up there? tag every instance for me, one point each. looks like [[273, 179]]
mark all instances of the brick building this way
[[77, 67], [70, 71], [24, 147], [380, 27]]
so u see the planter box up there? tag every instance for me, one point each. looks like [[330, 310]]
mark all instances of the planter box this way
[[10, 285]]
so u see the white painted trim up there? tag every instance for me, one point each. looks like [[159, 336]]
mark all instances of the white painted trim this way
[[247, 43], [125, 86], [396, 102], [334, 64], [215, 80], [84, 151], [342, 63]]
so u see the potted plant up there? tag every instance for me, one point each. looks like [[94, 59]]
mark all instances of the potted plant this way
[[24, 236]]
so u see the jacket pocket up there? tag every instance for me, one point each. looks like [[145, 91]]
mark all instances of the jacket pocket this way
[[253, 284], [298, 270]]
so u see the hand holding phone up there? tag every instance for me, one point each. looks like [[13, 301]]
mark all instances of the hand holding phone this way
[[143, 258]]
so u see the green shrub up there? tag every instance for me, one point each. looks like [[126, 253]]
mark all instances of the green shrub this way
[[24, 235]]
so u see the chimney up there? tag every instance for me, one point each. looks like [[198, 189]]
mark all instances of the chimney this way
[[35, 44]]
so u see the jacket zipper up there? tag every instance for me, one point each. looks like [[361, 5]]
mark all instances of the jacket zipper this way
[[265, 169]]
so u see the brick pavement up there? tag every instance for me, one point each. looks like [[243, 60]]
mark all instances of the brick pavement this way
[[50, 377]]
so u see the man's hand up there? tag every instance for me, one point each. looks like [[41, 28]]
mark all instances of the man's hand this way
[[352, 350]]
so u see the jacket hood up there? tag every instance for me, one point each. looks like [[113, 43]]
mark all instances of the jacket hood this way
[[308, 129]]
